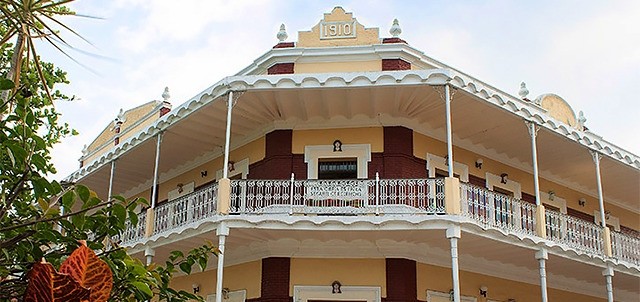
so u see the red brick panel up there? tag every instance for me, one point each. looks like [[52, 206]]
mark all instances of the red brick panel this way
[[281, 68], [401, 280], [398, 159], [278, 158], [395, 64], [285, 45], [275, 279], [393, 40]]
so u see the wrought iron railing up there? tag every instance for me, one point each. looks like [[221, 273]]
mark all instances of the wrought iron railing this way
[[348, 197], [625, 247], [491, 209], [186, 209], [382, 196], [134, 232], [574, 232]]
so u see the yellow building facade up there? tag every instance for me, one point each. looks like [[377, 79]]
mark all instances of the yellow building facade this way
[[349, 167]]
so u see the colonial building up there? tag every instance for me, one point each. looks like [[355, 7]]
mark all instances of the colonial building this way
[[349, 167]]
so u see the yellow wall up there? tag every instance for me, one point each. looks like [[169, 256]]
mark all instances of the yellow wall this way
[[373, 136], [254, 150], [237, 277], [439, 279], [423, 144], [350, 272], [320, 67]]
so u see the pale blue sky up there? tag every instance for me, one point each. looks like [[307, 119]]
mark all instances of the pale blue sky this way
[[585, 51]]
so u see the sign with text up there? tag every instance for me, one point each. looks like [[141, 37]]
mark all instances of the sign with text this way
[[337, 30]]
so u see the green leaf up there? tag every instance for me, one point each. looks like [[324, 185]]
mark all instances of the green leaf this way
[[143, 287], [6, 84], [175, 254], [68, 199], [83, 192], [120, 212], [93, 201], [185, 267]]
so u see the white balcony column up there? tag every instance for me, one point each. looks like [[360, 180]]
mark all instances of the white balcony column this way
[[542, 257], [453, 234], [596, 158], [227, 139], [154, 189], [222, 232], [447, 102], [533, 131], [608, 274], [149, 253], [113, 169]]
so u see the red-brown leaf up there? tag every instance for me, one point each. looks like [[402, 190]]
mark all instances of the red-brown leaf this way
[[90, 271], [47, 285]]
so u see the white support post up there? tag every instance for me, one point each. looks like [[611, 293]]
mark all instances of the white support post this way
[[596, 158], [377, 193], [113, 168], [453, 234], [291, 192], [533, 131], [225, 169], [608, 274], [447, 102], [542, 257], [149, 253], [222, 232], [154, 190]]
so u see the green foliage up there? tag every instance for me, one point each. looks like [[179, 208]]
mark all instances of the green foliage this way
[[41, 218]]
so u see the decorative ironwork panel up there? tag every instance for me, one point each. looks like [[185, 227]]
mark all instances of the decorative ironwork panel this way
[[133, 233], [496, 210], [574, 232], [189, 208], [625, 247]]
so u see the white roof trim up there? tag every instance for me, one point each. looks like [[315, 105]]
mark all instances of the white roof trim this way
[[526, 110]]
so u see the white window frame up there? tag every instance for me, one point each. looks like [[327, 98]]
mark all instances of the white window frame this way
[[557, 202], [186, 189], [611, 220], [240, 167], [362, 153], [431, 294], [303, 293], [493, 180], [437, 162]]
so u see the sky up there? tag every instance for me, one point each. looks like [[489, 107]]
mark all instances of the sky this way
[[587, 52]]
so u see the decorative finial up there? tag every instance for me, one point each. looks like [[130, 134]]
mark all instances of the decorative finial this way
[[120, 118], [165, 94], [523, 90], [395, 30], [581, 121], [282, 34], [85, 151]]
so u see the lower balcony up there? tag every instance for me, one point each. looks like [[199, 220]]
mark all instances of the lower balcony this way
[[385, 197]]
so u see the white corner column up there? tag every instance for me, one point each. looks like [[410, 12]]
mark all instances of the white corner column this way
[[227, 138], [542, 257], [113, 169], [149, 253], [154, 189], [608, 275], [447, 102], [453, 234], [222, 232], [533, 132], [596, 159]]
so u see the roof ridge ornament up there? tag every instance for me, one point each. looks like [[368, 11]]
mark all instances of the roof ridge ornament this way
[[523, 90], [282, 34], [581, 121], [395, 30], [165, 94]]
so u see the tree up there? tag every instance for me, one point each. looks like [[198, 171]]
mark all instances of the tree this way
[[41, 218]]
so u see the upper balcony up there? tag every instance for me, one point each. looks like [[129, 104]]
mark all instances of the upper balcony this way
[[409, 199]]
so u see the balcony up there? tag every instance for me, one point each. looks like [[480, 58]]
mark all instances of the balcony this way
[[379, 197]]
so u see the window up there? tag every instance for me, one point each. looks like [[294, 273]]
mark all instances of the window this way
[[345, 168], [324, 155]]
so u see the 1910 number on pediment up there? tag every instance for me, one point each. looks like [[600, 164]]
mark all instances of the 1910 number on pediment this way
[[337, 30]]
